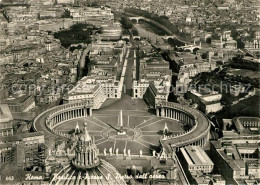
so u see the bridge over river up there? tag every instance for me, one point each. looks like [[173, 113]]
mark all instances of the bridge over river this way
[[169, 34]]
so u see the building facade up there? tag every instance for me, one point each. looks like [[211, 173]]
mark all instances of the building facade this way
[[196, 159]]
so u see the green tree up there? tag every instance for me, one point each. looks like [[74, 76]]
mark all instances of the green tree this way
[[126, 22], [66, 14]]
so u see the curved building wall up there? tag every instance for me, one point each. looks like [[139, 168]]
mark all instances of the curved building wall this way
[[200, 126], [59, 114]]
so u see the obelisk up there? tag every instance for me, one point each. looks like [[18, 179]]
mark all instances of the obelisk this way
[[121, 129], [121, 119]]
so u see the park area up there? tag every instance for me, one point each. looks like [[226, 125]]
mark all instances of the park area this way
[[78, 33], [244, 73]]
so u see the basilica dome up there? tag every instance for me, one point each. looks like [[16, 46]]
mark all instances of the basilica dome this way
[[103, 174], [86, 168]]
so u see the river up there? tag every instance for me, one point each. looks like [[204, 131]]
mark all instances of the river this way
[[152, 33]]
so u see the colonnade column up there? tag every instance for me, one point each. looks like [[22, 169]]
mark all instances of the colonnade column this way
[[84, 112], [90, 111], [70, 114], [157, 112], [162, 112]]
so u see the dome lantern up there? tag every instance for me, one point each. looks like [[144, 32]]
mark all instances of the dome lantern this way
[[87, 168], [86, 151]]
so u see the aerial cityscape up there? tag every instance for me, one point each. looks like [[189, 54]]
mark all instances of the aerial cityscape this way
[[129, 92]]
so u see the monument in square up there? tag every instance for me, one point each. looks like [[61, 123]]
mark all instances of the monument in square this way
[[121, 130]]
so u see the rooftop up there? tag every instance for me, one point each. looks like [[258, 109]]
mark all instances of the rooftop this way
[[184, 58], [7, 125], [17, 98], [195, 155], [20, 137]]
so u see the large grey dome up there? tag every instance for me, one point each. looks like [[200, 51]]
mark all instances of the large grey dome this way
[[103, 174], [87, 168]]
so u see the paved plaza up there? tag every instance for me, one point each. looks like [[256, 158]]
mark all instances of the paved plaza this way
[[143, 130]]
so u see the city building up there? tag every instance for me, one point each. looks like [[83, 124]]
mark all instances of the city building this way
[[188, 66], [28, 139], [6, 129], [156, 94], [91, 15], [236, 158], [217, 179], [139, 88], [247, 125], [21, 149], [86, 91], [54, 26], [6, 118], [104, 79], [209, 179], [65, 1], [224, 40], [20, 102], [153, 82], [207, 102], [111, 32], [196, 160]]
